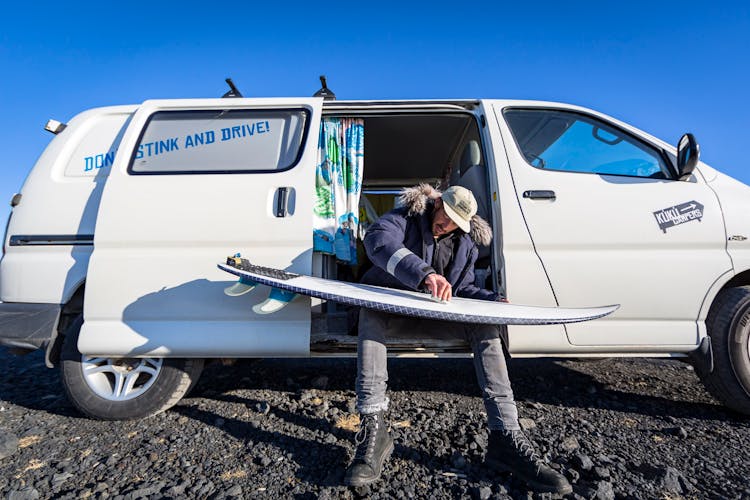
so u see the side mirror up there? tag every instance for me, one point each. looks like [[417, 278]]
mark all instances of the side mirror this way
[[688, 154]]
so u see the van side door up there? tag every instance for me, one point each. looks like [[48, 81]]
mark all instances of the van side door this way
[[197, 180], [612, 224]]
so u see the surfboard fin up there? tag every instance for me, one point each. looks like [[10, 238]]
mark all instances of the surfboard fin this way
[[242, 287], [277, 300]]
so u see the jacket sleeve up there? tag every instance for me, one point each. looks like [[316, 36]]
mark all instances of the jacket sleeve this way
[[384, 244], [466, 288]]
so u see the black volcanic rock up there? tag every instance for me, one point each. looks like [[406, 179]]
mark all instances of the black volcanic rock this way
[[285, 428]]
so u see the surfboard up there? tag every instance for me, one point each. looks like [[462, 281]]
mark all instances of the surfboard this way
[[410, 303]]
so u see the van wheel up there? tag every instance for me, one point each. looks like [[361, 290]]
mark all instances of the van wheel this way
[[728, 325], [123, 388]]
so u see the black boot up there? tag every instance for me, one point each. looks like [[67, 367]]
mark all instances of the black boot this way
[[374, 446], [512, 451]]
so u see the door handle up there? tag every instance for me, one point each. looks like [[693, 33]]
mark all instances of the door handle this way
[[281, 194], [540, 195]]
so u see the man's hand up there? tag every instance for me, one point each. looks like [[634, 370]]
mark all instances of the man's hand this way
[[438, 286]]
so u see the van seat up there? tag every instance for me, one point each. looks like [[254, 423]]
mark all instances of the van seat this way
[[472, 174]]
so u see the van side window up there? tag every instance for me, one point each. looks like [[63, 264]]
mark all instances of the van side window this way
[[220, 141], [572, 142]]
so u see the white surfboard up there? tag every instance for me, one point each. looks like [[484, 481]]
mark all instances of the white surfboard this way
[[410, 303]]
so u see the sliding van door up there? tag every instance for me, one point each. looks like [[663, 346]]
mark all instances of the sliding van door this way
[[193, 182]]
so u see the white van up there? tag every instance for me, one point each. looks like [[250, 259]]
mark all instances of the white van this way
[[110, 252]]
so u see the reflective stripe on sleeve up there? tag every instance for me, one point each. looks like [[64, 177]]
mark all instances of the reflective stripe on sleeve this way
[[395, 259]]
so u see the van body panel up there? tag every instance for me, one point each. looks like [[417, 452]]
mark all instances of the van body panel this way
[[734, 198], [60, 198], [153, 285], [601, 241]]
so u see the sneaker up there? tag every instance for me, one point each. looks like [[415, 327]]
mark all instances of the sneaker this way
[[512, 451], [374, 446]]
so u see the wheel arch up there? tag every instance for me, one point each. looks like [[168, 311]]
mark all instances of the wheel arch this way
[[739, 279], [703, 356], [729, 279]]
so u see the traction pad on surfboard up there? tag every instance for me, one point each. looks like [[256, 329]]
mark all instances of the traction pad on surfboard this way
[[245, 265]]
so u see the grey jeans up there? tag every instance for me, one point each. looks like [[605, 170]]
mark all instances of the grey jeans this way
[[489, 362]]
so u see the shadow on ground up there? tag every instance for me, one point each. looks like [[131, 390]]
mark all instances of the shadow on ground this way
[[534, 381]]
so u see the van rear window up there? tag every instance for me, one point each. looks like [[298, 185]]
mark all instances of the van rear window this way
[[220, 141]]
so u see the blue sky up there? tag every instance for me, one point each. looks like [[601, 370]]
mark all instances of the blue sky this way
[[665, 67]]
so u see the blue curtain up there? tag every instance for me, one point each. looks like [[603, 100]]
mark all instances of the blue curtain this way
[[338, 184]]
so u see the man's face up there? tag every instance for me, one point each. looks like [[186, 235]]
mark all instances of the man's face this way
[[441, 223]]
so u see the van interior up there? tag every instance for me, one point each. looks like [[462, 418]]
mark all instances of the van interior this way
[[402, 150]]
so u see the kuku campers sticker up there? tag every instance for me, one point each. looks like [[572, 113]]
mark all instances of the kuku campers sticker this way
[[678, 214]]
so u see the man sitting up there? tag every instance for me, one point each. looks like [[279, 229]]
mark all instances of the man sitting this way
[[430, 243]]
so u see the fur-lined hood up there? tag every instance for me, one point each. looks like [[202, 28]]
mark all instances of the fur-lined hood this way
[[416, 199]]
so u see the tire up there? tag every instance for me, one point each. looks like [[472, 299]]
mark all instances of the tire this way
[[728, 325], [123, 388]]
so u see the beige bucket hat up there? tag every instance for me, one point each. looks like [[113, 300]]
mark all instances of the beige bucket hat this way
[[460, 205]]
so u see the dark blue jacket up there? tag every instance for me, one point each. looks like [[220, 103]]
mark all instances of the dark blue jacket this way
[[400, 245]]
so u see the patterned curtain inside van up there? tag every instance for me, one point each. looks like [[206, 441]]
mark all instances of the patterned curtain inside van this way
[[338, 184]]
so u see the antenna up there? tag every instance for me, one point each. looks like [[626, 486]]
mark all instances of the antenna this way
[[324, 92], [233, 91]]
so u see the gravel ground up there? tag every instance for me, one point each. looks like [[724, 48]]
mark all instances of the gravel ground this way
[[282, 428]]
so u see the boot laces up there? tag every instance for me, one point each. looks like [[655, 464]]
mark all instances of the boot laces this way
[[526, 449], [365, 438]]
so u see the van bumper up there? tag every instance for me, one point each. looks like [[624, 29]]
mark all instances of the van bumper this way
[[27, 326]]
